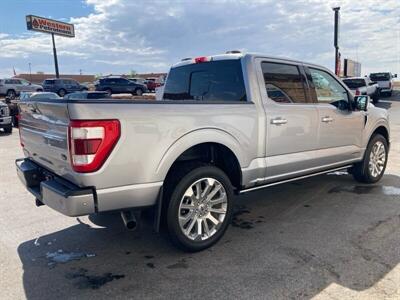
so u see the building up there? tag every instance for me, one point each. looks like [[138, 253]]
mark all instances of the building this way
[[38, 78]]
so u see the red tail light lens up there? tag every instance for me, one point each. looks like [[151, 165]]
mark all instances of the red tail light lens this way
[[91, 142], [358, 93]]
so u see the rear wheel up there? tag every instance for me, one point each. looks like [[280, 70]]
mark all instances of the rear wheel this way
[[372, 167], [8, 129], [11, 94], [39, 90], [375, 98], [109, 92], [200, 208], [62, 92], [139, 92]]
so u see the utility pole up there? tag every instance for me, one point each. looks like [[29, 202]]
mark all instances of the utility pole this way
[[30, 72], [55, 56], [336, 39]]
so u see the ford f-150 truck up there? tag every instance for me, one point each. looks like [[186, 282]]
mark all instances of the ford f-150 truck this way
[[229, 123], [363, 86]]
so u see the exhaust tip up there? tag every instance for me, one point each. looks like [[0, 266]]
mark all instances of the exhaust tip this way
[[129, 219]]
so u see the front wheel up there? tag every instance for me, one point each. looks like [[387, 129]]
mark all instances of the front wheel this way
[[200, 208], [8, 129], [372, 167]]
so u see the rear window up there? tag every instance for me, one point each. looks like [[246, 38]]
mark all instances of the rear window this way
[[49, 81], [379, 76], [354, 83], [209, 81], [97, 95]]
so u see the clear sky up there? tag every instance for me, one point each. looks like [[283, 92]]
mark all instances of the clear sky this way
[[117, 36]]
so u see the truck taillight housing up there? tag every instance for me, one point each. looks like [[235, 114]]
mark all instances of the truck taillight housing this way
[[358, 92], [91, 142]]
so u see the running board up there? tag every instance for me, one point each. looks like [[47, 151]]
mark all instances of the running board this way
[[292, 179]]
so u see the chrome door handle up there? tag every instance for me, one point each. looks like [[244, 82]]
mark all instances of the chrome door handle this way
[[327, 119], [278, 121]]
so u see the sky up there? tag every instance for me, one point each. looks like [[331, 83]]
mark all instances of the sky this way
[[118, 36]]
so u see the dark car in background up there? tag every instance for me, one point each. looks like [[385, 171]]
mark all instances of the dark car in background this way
[[87, 95], [63, 86], [120, 85]]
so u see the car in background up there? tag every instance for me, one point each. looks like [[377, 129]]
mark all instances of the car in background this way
[[62, 86], [12, 87], [36, 95], [87, 95], [363, 86], [5, 118], [89, 85], [385, 81], [120, 85]]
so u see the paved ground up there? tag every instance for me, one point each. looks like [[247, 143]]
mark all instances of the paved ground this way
[[325, 237]]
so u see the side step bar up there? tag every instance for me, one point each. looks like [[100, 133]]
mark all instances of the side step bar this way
[[291, 179]]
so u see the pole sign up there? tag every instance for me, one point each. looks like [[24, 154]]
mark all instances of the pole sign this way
[[40, 24]]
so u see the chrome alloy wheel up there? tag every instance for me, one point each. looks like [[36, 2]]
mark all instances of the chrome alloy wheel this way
[[377, 159], [202, 209]]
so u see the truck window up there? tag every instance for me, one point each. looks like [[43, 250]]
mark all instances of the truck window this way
[[354, 83], [327, 89], [284, 83], [209, 81], [379, 76]]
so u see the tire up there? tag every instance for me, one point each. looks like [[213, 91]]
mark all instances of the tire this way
[[62, 92], [11, 94], [15, 121], [109, 92], [215, 217], [39, 90], [368, 171], [8, 129], [390, 94], [138, 92], [376, 97]]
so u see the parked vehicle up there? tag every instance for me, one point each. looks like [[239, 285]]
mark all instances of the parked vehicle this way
[[120, 85], [217, 131], [12, 87], [385, 81], [62, 86], [138, 80], [5, 118], [39, 95], [87, 95], [363, 86]]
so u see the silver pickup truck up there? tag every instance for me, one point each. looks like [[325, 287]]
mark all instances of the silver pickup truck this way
[[229, 123]]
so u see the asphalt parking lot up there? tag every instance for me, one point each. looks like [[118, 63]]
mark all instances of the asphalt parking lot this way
[[326, 237]]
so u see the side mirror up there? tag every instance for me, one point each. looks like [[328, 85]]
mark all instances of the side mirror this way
[[362, 102]]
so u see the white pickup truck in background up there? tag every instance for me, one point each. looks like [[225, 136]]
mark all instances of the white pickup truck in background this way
[[363, 86], [384, 80]]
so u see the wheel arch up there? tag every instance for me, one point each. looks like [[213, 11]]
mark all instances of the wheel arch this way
[[213, 146]]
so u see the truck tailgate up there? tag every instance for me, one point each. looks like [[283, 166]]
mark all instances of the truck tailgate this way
[[44, 133]]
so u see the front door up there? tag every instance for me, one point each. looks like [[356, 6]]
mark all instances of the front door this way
[[291, 120], [339, 127]]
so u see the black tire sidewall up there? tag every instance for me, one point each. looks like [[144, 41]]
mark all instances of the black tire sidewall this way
[[175, 232], [368, 177], [62, 92]]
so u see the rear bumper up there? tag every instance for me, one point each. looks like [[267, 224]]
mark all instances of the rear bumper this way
[[57, 193], [5, 121], [72, 200]]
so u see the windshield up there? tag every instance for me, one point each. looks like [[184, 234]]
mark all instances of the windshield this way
[[354, 83], [379, 76], [208, 81]]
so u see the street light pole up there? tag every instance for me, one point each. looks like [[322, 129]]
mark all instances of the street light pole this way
[[55, 56], [336, 40]]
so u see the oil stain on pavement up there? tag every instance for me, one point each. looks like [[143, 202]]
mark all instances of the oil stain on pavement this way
[[85, 281]]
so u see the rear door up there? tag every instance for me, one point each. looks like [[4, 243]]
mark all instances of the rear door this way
[[339, 127], [291, 120]]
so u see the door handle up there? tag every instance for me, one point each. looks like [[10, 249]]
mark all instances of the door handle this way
[[278, 121], [327, 119]]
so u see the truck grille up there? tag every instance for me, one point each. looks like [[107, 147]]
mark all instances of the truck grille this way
[[4, 111]]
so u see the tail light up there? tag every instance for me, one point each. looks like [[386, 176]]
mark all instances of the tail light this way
[[390, 85], [91, 142], [201, 59], [358, 92]]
